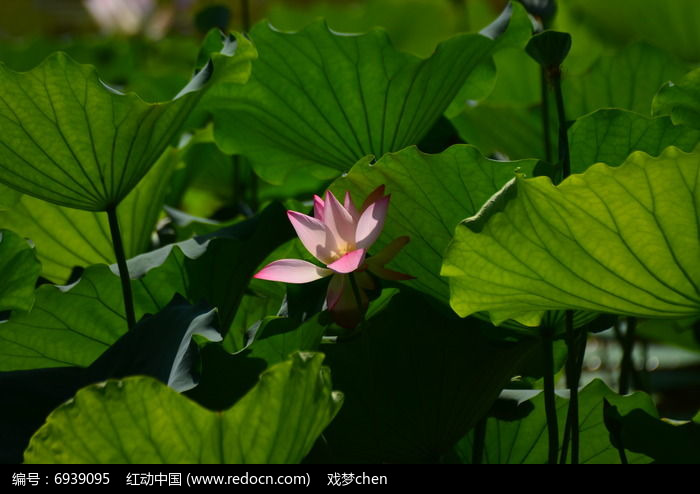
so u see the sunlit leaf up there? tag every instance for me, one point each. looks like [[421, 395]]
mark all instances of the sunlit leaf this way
[[66, 237], [71, 140], [139, 420], [621, 239], [318, 101]]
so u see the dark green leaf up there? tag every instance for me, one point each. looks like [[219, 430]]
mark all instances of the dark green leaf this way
[[610, 136], [549, 48], [522, 438], [645, 434], [74, 325], [681, 100], [159, 346], [19, 270], [415, 380]]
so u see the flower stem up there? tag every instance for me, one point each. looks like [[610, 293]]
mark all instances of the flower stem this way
[[573, 363], [564, 155], [245, 15], [545, 116], [576, 342], [358, 298], [121, 264], [627, 364], [479, 441], [549, 399]]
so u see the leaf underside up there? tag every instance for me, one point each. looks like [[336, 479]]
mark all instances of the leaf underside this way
[[622, 240]]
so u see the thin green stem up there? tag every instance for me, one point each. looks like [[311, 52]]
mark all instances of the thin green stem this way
[[564, 156], [571, 433], [358, 298], [627, 364], [549, 399], [573, 362], [546, 132], [123, 269], [576, 343], [245, 15], [479, 441]]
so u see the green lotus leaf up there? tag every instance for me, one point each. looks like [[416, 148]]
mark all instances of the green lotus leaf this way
[[318, 100], [19, 270], [681, 100], [430, 195], [140, 420], [628, 79], [160, 346], [67, 237], [610, 136], [621, 240], [70, 139], [73, 325], [509, 120]]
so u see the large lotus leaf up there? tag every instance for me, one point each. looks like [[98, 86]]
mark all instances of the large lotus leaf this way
[[622, 240], [668, 25], [628, 79], [19, 270], [71, 140], [522, 438], [66, 237], [8, 197], [681, 100], [430, 195], [159, 346], [318, 101], [610, 136], [140, 420], [509, 120], [74, 325], [416, 379]]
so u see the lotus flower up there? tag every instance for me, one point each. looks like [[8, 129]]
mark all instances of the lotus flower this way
[[339, 235]]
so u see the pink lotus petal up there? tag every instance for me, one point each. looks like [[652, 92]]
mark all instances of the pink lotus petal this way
[[318, 208], [370, 224], [339, 283], [292, 271], [339, 223], [312, 233], [350, 207], [349, 262], [374, 196]]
